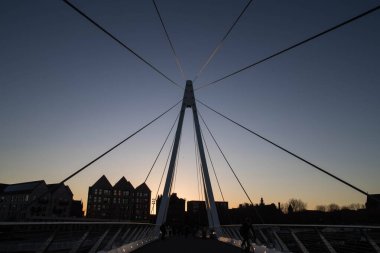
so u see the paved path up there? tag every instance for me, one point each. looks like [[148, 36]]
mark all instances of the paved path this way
[[188, 245]]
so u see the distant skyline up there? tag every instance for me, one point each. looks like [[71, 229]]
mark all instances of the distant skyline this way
[[68, 93]]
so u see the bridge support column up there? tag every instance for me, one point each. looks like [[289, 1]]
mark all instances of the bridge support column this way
[[213, 218]]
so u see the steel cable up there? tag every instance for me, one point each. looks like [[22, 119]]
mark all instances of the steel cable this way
[[212, 165], [293, 46], [155, 160], [170, 42], [120, 43], [220, 44], [163, 173], [291, 153], [102, 155], [232, 170]]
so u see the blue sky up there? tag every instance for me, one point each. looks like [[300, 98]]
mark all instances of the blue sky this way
[[68, 92]]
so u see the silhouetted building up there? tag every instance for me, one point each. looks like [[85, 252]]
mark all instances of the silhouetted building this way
[[99, 199], [61, 198], [257, 213], [142, 203], [121, 201], [176, 209], [197, 214], [222, 208], [373, 202], [76, 209], [35, 200]]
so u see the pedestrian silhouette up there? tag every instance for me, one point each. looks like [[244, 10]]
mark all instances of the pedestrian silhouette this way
[[248, 234], [163, 231]]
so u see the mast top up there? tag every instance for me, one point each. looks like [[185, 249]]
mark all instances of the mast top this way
[[188, 97]]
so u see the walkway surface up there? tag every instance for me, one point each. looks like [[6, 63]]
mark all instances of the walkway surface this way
[[188, 245]]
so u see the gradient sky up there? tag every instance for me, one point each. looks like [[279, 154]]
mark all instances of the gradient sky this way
[[68, 92]]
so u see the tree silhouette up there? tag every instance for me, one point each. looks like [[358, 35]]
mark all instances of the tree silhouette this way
[[333, 207], [321, 208]]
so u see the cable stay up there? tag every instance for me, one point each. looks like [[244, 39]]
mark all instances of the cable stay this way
[[117, 145], [163, 173], [105, 153], [232, 170], [293, 46], [172, 183], [120, 43], [172, 186], [220, 44], [212, 164], [170, 42], [155, 160], [289, 152]]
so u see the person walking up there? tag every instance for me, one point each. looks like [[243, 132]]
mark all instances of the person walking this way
[[248, 234], [163, 231]]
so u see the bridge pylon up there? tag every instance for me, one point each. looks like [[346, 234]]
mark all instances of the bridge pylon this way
[[212, 214]]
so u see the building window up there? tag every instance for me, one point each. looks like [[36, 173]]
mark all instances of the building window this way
[[96, 191]]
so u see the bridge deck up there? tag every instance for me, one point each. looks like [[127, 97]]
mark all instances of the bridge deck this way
[[188, 245]]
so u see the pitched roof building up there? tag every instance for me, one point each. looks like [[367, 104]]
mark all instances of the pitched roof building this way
[[34, 200], [99, 199], [142, 202], [121, 201]]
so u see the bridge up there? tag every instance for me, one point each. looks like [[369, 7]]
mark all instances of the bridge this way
[[122, 236], [115, 237]]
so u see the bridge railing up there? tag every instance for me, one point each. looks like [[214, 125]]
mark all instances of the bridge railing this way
[[74, 236], [308, 238]]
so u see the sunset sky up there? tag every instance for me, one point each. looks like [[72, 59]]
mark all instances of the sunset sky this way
[[68, 92]]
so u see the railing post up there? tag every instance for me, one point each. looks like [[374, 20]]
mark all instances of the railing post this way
[[81, 240], [123, 237], [132, 235], [298, 241], [110, 242], [136, 234], [263, 235], [228, 232], [280, 242], [142, 234], [97, 244], [371, 241], [47, 243], [326, 242]]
